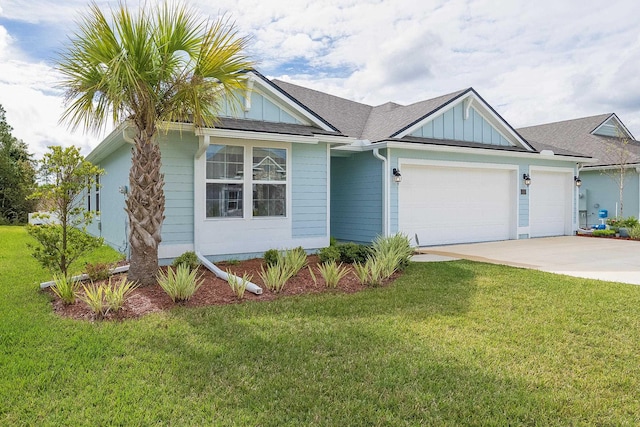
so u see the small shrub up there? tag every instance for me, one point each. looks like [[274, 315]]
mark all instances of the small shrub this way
[[353, 252], [98, 271], [116, 295], [376, 269], [180, 284], [634, 232], [328, 254], [65, 288], [629, 222], [604, 233], [398, 245], [271, 257], [94, 297], [313, 276], [333, 241], [274, 277], [238, 284], [361, 270], [189, 259], [294, 260], [332, 273]]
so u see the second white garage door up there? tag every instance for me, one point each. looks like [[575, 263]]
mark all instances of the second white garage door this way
[[448, 204], [550, 203]]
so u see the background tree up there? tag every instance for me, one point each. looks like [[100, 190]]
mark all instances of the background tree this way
[[164, 64], [17, 176], [67, 177], [619, 155]]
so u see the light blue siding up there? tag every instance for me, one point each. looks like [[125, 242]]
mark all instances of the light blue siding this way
[[600, 191], [452, 125], [309, 190], [356, 197], [523, 199], [177, 166], [262, 109], [112, 223]]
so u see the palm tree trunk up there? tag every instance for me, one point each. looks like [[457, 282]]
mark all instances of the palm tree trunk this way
[[145, 207]]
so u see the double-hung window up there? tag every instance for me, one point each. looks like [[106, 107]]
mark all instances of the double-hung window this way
[[225, 181], [227, 184]]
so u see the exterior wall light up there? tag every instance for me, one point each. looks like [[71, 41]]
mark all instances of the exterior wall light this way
[[578, 181], [527, 179], [397, 176]]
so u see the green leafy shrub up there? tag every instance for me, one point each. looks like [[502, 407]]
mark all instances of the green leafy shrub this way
[[189, 259], [98, 271], [329, 254], [333, 241], [238, 284], [94, 297], [628, 222], [274, 277], [116, 295], [634, 232], [604, 233], [353, 252], [393, 247], [294, 260], [332, 273], [272, 256], [65, 288], [180, 284]]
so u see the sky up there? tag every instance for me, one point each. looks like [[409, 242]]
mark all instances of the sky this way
[[534, 62]]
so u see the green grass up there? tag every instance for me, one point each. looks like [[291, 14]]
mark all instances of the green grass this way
[[456, 343]]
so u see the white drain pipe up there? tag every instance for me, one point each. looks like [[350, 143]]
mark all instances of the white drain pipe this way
[[116, 270], [251, 287]]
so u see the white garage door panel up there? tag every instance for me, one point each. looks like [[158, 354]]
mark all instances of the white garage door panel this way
[[550, 204], [444, 205]]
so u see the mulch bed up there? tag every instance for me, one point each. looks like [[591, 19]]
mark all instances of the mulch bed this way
[[214, 291]]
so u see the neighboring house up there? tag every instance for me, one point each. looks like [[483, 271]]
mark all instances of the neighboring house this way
[[605, 138], [295, 166]]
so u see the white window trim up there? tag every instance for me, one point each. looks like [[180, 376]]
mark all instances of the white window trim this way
[[247, 181]]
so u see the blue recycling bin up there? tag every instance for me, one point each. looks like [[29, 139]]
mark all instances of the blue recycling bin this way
[[603, 213]]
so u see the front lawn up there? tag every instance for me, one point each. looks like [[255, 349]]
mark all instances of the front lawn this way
[[456, 343]]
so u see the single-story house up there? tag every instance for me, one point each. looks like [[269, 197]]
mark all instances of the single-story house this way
[[444, 170], [612, 146]]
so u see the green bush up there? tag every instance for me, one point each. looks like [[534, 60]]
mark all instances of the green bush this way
[[274, 277], [393, 247], [271, 257], [98, 271], [604, 233], [628, 222], [238, 284], [294, 260], [634, 232], [180, 284], [332, 273], [188, 259], [65, 288], [352, 252], [116, 295], [328, 254]]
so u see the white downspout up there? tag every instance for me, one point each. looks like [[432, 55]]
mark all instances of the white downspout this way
[[203, 143], [385, 191]]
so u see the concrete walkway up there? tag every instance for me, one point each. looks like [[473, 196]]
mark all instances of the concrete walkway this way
[[589, 257]]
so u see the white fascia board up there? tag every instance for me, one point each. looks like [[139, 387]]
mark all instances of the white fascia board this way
[[109, 144], [610, 167], [292, 107], [469, 150], [470, 99]]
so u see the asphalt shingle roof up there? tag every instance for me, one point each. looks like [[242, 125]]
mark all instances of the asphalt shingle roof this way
[[574, 136]]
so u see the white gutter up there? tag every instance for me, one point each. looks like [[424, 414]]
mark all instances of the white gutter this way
[[116, 270], [385, 192], [251, 287]]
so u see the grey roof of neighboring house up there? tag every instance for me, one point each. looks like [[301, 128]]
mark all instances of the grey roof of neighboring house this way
[[574, 136], [364, 121], [272, 127]]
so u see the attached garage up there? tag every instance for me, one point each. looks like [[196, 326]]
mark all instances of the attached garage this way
[[450, 202], [550, 195]]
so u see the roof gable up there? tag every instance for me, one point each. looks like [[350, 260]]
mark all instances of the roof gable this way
[[614, 127], [468, 118]]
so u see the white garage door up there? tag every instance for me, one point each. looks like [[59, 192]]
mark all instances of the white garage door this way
[[444, 205], [550, 203]]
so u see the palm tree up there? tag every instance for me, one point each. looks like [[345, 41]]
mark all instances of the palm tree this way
[[160, 65]]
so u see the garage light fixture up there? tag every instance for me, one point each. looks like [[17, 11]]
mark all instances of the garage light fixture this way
[[578, 181], [527, 179], [397, 176]]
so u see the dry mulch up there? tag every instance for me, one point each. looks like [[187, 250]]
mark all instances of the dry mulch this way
[[214, 291]]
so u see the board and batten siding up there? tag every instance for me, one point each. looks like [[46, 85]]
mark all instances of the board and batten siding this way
[[600, 191], [356, 197], [262, 109], [452, 125], [309, 176], [523, 165]]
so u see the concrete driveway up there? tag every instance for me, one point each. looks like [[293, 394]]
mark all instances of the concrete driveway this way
[[593, 258]]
